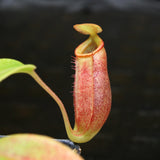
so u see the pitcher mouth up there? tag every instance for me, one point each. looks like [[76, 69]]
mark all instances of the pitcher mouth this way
[[89, 47]]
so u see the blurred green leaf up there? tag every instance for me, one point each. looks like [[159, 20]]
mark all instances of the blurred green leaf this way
[[34, 147]]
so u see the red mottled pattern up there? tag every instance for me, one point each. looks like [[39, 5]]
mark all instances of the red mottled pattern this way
[[102, 91], [83, 92], [92, 92]]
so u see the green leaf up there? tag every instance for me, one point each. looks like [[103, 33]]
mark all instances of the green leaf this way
[[9, 67]]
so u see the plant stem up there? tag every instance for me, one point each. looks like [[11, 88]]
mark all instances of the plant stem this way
[[56, 98]]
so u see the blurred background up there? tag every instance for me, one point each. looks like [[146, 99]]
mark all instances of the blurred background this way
[[40, 32]]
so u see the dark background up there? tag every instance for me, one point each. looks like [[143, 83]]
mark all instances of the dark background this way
[[40, 32]]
